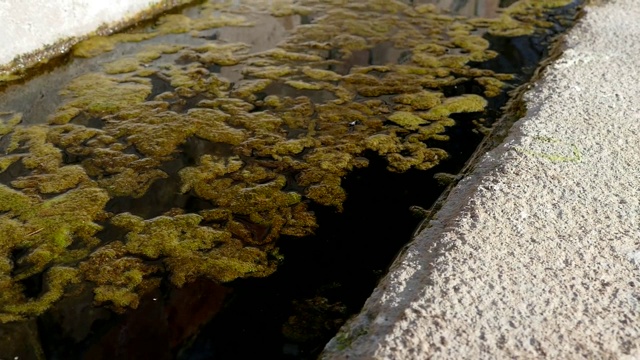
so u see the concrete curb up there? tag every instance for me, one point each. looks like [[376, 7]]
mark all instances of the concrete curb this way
[[31, 26], [536, 253]]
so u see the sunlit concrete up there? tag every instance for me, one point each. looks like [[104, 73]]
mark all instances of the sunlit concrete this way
[[28, 26]]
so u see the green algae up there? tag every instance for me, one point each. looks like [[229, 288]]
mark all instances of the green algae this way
[[153, 52], [57, 279], [521, 18], [407, 120], [99, 94], [94, 46], [6, 126], [281, 153], [121, 66], [458, 104], [320, 74], [97, 45], [45, 229], [167, 24], [423, 100], [303, 85]]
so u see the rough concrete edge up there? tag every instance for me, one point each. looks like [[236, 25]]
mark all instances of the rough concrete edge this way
[[485, 161], [23, 63]]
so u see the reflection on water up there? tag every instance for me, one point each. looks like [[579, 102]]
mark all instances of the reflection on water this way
[[470, 8]]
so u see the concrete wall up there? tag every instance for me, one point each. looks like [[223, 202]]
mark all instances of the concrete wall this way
[[28, 26]]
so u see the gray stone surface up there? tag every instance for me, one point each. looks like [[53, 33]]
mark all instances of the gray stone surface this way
[[537, 252], [29, 25]]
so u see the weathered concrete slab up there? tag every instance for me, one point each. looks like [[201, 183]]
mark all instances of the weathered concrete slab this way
[[28, 26], [536, 253]]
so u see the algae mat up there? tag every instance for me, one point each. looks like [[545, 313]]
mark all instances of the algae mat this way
[[182, 150]]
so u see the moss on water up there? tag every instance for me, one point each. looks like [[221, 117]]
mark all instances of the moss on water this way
[[268, 72], [64, 178], [407, 120], [45, 229], [303, 85], [121, 66], [93, 46], [459, 104], [423, 100], [99, 95], [12, 120], [493, 87], [320, 74], [521, 18], [255, 149]]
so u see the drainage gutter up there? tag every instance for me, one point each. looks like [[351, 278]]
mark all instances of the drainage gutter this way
[[536, 251]]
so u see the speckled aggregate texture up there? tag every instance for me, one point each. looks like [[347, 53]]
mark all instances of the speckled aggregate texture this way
[[536, 253], [29, 25]]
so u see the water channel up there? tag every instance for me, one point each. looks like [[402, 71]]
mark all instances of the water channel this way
[[232, 179]]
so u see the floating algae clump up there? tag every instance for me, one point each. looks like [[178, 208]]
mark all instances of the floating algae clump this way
[[184, 161], [420, 101], [521, 18], [191, 250], [458, 104], [44, 231], [121, 66], [98, 94], [407, 120], [8, 124]]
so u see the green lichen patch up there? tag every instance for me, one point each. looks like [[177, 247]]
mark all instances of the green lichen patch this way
[[43, 157], [420, 157], [219, 20], [268, 72], [167, 24], [303, 85]]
